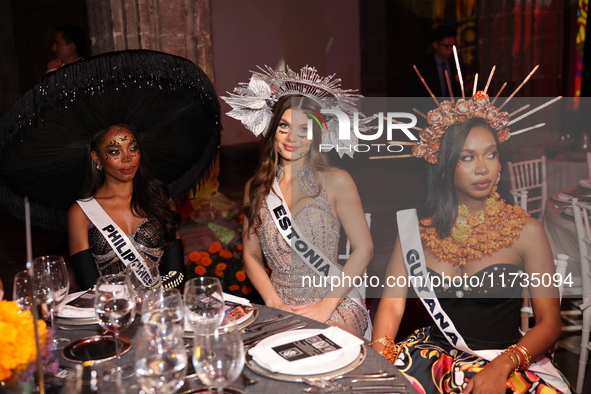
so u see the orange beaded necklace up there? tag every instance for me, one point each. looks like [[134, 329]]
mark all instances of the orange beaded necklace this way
[[497, 226]]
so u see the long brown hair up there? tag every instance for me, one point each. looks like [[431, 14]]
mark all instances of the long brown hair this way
[[261, 183]]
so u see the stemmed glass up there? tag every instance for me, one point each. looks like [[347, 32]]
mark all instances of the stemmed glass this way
[[59, 280], [162, 310], [114, 304], [141, 288], [21, 290], [204, 303], [218, 357], [161, 361]]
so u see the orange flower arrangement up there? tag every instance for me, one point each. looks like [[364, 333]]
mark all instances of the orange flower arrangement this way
[[224, 262], [473, 237], [18, 350]]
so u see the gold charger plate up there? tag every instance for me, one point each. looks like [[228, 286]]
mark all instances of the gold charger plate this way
[[256, 368]]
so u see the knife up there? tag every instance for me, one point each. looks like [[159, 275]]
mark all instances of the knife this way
[[394, 388], [294, 325], [388, 389]]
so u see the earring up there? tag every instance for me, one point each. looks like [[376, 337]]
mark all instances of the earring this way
[[499, 177], [99, 166]]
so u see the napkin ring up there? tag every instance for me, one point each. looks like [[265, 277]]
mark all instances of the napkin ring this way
[[389, 346]]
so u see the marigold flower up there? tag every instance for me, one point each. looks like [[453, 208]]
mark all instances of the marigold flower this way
[[206, 261], [200, 270], [195, 257], [220, 267], [234, 288], [246, 290], [241, 276], [268, 270], [219, 273], [214, 247], [226, 254]]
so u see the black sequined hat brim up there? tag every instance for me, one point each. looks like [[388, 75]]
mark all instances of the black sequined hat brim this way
[[44, 137]]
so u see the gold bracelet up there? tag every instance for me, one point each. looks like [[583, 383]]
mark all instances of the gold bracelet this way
[[510, 353], [525, 354], [389, 345]]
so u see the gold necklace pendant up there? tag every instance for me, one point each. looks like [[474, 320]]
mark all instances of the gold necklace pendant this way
[[497, 226]]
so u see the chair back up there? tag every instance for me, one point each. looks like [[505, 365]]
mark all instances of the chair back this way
[[520, 199], [347, 254], [589, 164], [582, 211], [530, 176]]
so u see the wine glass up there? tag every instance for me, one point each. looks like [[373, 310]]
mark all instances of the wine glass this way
[[218, 357], [21, 290], [161, 361], [140, 287], [114, 304], [204, 303], [55, 267], [162, 310]]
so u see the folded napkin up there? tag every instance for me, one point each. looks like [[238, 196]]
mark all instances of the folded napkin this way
[[564, 197], [585, 183], [73, 312], [306, 349]]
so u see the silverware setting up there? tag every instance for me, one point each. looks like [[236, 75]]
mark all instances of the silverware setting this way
[[330, 386], [294, 325], [257, 327], [388, 389]]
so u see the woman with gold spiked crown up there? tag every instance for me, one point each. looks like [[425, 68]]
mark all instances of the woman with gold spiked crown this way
[[469, 228], [294, 177]]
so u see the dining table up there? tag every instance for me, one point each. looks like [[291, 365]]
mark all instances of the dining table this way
[[255, 383], [559, 224]]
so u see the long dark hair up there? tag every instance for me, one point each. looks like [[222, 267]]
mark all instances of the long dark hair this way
[[150, 197], [262, 181], [441, 202]]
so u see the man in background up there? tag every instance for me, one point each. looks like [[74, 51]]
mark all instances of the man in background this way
[[68, 46], [433, 66]]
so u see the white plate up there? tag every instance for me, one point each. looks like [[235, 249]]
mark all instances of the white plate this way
[[328, 365], [70, 312], [238, 322]]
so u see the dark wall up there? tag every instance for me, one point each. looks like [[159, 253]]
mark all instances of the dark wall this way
[[27, 28]]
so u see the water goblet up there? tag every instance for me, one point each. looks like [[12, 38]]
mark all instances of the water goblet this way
[[55, 267], [161, 361], [162, 310], [114, 304], [21, 290], [151, 281], [204, 303], [218, 357]]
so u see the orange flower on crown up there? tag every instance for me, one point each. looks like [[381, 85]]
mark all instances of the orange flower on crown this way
[[226, 254], [214, 247]]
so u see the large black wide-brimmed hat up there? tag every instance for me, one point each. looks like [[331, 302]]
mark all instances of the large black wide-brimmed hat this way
[[44, 138]]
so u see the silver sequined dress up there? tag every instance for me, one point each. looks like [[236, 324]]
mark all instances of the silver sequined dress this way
[[316, 221]]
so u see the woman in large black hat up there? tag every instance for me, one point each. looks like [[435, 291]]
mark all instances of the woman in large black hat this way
[[115, 115]]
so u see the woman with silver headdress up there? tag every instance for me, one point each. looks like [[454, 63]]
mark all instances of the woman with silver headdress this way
[[295, 203]]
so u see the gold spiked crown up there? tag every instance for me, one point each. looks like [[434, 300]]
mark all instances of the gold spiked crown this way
[[479, 105]]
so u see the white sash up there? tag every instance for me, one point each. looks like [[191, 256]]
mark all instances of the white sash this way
[[118, 240], [414, 260], [311, 255]]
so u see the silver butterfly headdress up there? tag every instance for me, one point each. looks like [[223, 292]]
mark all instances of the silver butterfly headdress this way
[[252, 102]]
